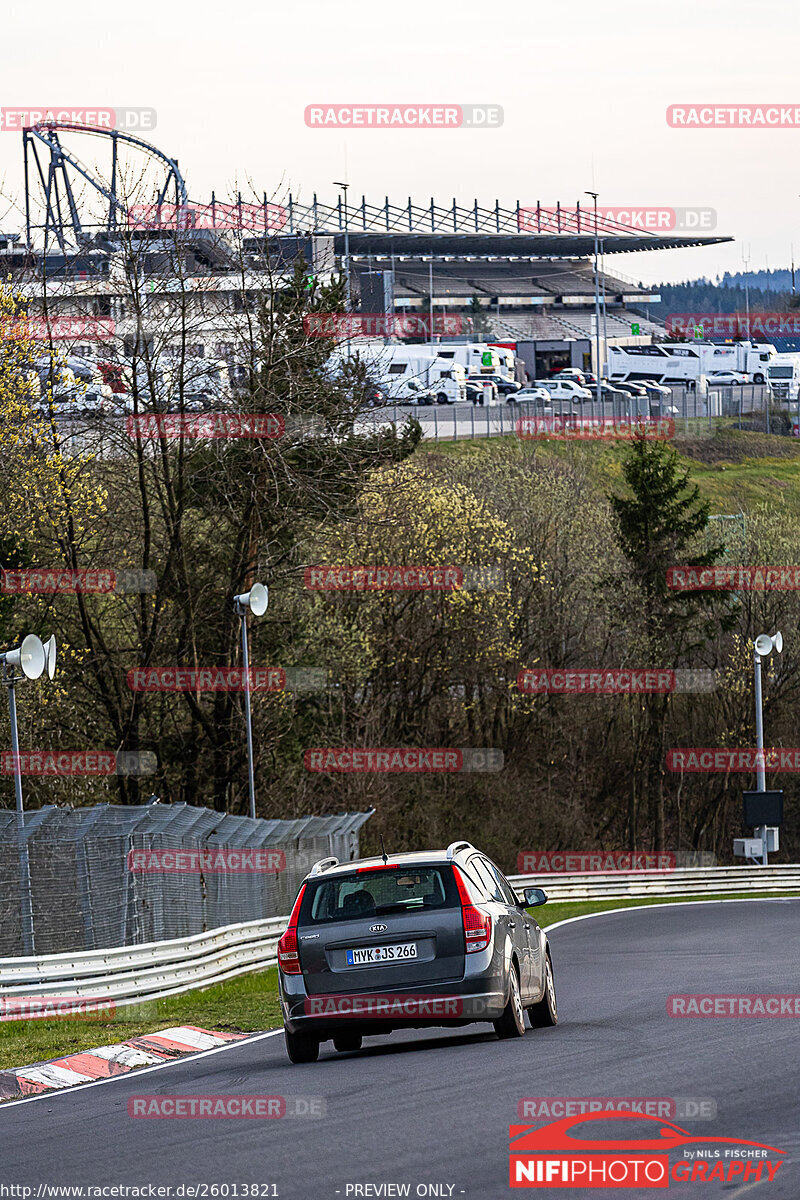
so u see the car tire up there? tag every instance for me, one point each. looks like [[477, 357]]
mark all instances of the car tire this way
[[441, 398], [512, 1022], [301, 1047], [545, 1012], [347, 1042]]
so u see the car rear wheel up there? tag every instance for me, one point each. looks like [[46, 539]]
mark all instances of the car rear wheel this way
[[546, 1011], [300, 1047], [512, 1022], [345, 1042]]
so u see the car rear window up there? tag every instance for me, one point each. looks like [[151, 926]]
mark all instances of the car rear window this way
[[378, 892]]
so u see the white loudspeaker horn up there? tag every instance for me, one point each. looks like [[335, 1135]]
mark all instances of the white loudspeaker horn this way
[[777, 641], [29, 657], [256, 599], [50, 655], [763, 644]]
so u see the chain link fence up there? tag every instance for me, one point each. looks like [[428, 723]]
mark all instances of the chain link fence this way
[[119, 876], [747, 406]]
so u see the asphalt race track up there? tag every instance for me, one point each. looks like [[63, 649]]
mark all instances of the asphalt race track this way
[[431, 1108]]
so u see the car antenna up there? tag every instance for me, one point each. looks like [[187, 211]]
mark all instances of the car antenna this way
[[384, 855]]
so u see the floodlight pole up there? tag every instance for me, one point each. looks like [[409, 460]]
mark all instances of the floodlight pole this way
[[596, 307], [760, 764], [26, 904], [241, 611], [761, 785], [348, 297]]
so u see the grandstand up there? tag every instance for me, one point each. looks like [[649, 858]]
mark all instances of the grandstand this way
[[529, 271]]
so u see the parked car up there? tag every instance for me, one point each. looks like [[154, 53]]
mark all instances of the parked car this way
[[476, 393], [655, 389], [610, 393], [506, 387], [539, 397], [633, 389], [726, 378], [584, 378], [432, 938], [374, 397], [565, 389]]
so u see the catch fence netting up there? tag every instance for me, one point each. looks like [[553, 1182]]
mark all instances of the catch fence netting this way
[[123, 875]]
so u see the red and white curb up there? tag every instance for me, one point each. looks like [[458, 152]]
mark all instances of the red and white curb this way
[[152, 1048]]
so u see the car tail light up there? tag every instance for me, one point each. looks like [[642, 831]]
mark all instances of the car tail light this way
[[477, 924], [288, 956]]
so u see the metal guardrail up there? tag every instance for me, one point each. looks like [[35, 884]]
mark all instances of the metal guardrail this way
[[133, 975], [689, 881]]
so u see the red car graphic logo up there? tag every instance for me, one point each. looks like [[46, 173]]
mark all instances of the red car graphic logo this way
[[557, 1136]]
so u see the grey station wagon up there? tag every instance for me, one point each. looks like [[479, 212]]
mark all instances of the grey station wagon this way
[[436, 938]]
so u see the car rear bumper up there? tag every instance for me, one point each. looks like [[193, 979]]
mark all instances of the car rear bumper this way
[[452, 1003]]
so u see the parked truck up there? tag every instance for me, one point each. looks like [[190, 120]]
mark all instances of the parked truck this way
[[687, 362], [783, 376], [423, 378]]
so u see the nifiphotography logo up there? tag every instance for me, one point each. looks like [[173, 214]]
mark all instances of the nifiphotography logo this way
[[577, 1151]]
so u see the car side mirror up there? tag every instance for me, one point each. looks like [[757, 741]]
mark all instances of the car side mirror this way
[[534, 896]]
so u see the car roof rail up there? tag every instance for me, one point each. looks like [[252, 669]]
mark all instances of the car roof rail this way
[[456, 847], [324, 864]]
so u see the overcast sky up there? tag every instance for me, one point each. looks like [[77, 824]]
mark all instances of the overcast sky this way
[[584, 88]]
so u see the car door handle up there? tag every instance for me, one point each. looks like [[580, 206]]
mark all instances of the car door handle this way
[[512, 924]]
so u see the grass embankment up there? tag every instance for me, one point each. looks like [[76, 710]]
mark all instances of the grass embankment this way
[[247, 1004], [735, 469]]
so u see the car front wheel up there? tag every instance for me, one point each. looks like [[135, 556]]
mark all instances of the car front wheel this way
[[300, 1047], [512, 1022]]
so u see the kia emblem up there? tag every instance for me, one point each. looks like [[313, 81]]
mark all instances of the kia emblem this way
[[377, 928]]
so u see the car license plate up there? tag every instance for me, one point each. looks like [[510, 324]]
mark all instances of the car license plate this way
[[366, 955]]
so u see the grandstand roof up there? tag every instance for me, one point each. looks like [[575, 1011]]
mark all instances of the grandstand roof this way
[[533, 245]]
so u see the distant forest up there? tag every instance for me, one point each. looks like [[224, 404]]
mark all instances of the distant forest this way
[[767, 291]]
